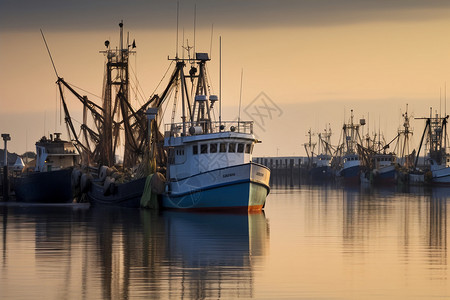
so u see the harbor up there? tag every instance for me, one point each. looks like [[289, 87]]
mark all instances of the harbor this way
[[224, 150]]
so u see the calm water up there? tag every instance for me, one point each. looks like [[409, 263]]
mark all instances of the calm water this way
[[312, 242]]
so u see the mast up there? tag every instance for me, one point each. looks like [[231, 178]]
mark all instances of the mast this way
[[116, 111]]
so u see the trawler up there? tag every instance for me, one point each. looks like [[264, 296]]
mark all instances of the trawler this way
[[50, 182], [322, 168], [112, 128], [209, 165], [437, 157], [349, 167]]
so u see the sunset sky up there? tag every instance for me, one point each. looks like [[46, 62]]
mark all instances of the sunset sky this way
[[316, 60]]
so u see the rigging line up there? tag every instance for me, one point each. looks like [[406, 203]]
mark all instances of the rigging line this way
[[139, 97], [164, 110], [169, 68], [83, 90], [139, 93], [208, 81], [139, 89], [49, 54], [76, 121]]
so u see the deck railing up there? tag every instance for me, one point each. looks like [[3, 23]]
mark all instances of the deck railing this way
[[197, 128]]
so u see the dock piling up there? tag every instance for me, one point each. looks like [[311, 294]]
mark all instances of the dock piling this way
[[6, 137]]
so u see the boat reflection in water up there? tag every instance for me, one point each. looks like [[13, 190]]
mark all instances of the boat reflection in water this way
[[197, 255], [118, 253]]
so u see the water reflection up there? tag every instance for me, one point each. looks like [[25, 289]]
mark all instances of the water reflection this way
[[325, 242], [416, 219], [214, 252], [112, 253], [437, 220]]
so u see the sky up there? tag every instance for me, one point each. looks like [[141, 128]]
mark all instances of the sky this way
[[305, 64]]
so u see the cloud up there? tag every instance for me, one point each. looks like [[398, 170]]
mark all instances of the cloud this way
[[154, 15]]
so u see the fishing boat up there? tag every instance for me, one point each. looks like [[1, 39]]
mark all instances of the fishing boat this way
[[321, 169], [51, 180], [349, 169], [381, 168], [438, 157], [113, 129], [378, 164], [209, 164]]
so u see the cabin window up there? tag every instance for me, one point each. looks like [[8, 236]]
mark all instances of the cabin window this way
[[248, 148], [240, 148], [223, 147], [204, 148], [213, 148], [195, 149], [232, 147]]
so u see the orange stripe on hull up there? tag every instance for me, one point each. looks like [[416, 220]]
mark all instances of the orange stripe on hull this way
[[255, 208]]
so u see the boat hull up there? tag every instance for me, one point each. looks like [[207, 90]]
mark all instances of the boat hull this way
[[45, 187], [416, 178], [385, 175], [236, 188], [441, 176], [350, 175], [126, 194], [321, 173]]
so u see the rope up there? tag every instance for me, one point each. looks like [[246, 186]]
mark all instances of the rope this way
[[71, 84]]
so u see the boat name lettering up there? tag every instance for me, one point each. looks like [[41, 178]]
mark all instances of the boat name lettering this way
[[259, 174], [228, 175]]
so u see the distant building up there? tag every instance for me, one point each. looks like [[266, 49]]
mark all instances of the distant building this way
[[281, 161]]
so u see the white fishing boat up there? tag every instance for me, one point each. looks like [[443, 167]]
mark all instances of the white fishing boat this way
[[350, 167], [209, 163], [438, 156], [215, 170], [440, 172]]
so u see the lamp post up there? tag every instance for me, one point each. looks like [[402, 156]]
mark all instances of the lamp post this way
[[6, 138]]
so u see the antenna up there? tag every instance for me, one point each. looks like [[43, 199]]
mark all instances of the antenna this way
[[121, 35], [49, 54], [240, 98], [210, 45], [178, 7], [26, 145], [195, 19], [220, 82], [45, 116], [56, 111]]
